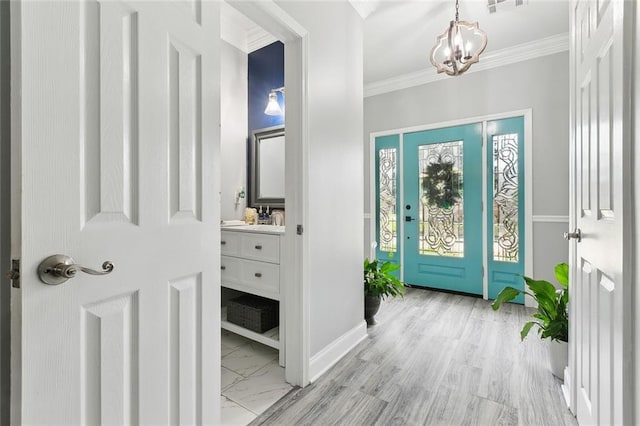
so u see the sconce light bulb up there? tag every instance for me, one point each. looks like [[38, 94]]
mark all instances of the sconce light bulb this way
[[273, 107]]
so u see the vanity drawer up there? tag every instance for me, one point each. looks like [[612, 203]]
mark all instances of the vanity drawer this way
[[260, 275], [263, 247], [230, 268], [230, 243], [247, 275]]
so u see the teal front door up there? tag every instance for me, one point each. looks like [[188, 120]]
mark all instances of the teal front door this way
[[429, 206], [442, 211]]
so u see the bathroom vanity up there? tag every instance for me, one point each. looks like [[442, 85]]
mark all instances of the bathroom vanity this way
[[250, 263]]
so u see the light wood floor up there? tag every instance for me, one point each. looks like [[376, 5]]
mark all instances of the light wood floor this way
[[438, 359]]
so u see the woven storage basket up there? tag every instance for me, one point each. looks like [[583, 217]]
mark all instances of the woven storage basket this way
[[253, 312]]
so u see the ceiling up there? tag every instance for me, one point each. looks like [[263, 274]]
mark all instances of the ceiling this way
[[398, 35]]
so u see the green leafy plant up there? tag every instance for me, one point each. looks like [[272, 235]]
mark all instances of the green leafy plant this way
[[552, 317], [379, 280], [442, 184]]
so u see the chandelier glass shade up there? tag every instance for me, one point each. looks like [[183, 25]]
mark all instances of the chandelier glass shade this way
[[458, 47]]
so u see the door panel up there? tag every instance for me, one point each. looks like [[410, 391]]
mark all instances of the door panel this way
[[118, 164], [600, 143], [505, 195], [443, 232]]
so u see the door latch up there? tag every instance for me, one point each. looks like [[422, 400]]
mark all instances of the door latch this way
[[577, 235], [14, 273]]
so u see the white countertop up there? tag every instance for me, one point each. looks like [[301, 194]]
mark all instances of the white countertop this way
[[266, 229]]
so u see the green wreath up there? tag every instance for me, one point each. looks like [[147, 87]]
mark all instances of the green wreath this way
[[442, 184]]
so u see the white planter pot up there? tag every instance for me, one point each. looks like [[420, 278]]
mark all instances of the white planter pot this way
[[558, 357]]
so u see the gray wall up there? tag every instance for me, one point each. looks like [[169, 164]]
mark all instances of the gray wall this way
[[334, 186], [5, 213], [635, 279], [233, 131], [541, 84]]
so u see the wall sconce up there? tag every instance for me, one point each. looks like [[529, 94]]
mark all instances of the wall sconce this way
[[273, 107]]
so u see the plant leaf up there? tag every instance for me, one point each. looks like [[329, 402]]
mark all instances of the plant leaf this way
[[562, 274], [545, 294], [506, 295], [526, 329]]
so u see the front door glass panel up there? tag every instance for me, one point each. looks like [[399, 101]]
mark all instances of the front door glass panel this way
[[441, 216], [505, 195], [505, 198], [387, 200]]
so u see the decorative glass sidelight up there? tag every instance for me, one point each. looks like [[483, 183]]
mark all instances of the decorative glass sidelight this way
[[441, 226], [387, 193], [505, 198]]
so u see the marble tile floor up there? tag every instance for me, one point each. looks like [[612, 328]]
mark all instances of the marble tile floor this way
[[251, 381]]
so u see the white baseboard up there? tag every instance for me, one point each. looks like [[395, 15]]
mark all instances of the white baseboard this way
[[334, 351], [565, 388]]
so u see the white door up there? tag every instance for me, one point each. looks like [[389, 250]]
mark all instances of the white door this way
[[116, 132], [600, 314]]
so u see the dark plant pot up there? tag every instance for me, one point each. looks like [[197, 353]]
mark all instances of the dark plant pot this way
[[371, 307]]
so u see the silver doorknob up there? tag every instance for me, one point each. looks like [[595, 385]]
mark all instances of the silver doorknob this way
[[577, 234], [58, 268]]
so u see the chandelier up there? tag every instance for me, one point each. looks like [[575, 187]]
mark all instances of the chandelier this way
[[458, 47]]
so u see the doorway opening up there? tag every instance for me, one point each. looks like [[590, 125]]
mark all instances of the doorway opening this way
[[281, 266]]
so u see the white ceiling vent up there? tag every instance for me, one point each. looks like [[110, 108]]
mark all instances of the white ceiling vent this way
[[496, 5]]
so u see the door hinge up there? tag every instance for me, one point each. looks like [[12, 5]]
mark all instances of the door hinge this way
[[299, 229], [14, 273], [483, 272], [482, 206]]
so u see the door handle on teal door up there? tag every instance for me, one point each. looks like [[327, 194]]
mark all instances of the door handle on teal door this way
[[408, 218]]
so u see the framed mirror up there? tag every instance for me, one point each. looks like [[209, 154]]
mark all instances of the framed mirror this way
[[266, 168]]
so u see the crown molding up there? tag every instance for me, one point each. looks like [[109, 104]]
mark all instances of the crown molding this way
[[522, 52], [365, 7], [232, 33], [238, 34], [257, 38]]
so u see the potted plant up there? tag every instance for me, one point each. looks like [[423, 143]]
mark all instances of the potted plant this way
[[551, 318], [379, 282]]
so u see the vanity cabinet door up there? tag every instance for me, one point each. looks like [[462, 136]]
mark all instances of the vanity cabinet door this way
[[230, 243]]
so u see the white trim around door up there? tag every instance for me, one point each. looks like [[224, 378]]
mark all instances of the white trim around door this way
[[295, 259]]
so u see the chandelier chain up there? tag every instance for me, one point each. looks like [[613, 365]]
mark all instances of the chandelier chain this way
[[457, 13]]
